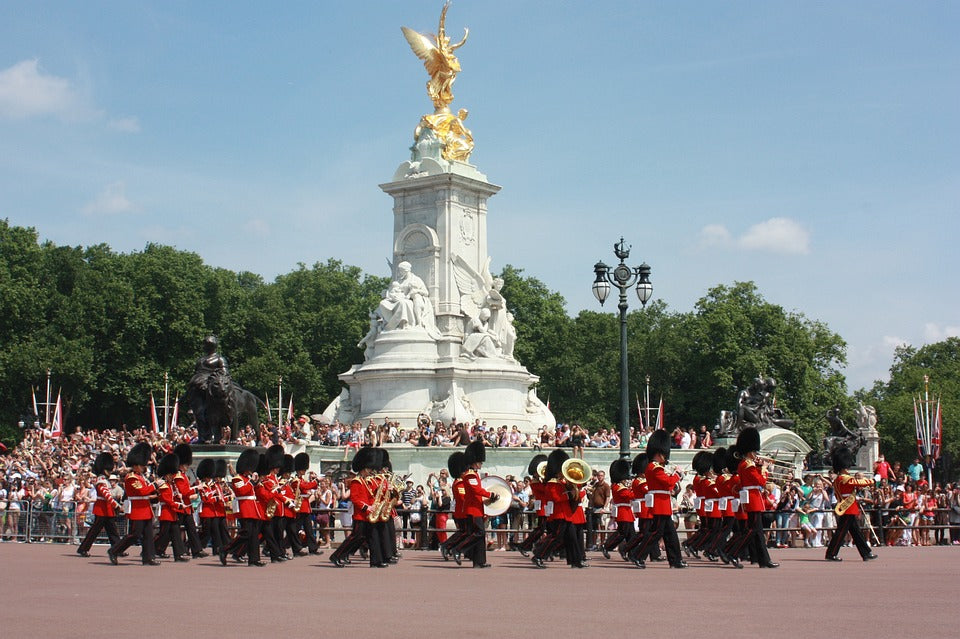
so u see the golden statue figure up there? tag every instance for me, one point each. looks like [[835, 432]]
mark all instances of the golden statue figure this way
[[438, 58], [457, 139]]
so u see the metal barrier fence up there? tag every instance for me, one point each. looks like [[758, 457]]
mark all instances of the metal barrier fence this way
[[417, 529]]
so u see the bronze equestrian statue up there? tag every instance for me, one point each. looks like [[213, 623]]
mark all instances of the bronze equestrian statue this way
[[216, 401]]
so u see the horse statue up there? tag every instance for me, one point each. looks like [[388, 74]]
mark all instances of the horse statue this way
[[215, 400]]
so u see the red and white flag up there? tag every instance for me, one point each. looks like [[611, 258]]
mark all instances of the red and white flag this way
[[290, 410], [56, 426], [176, 411], [661, 424], [154, 422], [640, 413], [33, 394]]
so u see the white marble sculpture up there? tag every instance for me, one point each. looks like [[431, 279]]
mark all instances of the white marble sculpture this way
[[488, 328]]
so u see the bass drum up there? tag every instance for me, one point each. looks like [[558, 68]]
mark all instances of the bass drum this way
[[498, 486]]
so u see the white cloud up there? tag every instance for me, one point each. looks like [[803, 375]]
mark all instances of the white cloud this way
[[891, 343], [935, 333], [111, 201], [129, 124], [776, 235], [26, 92], [715, 235]]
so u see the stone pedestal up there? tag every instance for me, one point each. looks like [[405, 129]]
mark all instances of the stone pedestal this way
[[440, 230]]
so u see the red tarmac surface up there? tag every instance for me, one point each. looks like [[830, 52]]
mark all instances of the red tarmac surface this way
[[48, 591]]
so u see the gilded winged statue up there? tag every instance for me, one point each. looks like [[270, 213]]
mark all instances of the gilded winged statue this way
[[438, 58]]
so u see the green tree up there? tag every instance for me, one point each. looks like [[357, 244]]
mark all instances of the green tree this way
[[894, 399]]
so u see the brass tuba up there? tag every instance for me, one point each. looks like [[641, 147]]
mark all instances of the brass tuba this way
[[576, 471]]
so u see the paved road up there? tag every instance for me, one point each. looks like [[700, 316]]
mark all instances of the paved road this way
[[47, 591]]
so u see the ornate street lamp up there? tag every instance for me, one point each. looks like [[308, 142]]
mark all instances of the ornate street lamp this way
[[623, 277]]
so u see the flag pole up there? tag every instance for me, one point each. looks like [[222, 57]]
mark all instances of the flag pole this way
[[279, 400], [166, 403], [46, 407]]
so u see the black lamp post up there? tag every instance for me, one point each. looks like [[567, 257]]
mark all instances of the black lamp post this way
[[623, 277]]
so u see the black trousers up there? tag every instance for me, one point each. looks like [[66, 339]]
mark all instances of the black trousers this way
[[625, 532], [534, 535], [213, 530], [374, 535], [474, 543], [100, 523], [304, 522], [756, 539], [247, 540], [141, 529], [661, 527], [847, 524], [170, 533], [188, 525], [579, 550], [557, 536]]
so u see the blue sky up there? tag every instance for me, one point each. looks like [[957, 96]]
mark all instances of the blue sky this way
[[810, 147]]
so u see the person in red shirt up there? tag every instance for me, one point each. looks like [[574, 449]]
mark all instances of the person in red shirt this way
[[846, 486], [185, 453], [362, 494], [250, 512], [474, 543], [702, 464], [642, 513], [268, 490], [104, 509], [456, 466], [171, 507], [207, 489], [661, 482], [722, 484], [622, 496], [536, 495], [753, 480], [561, 499], [287, 535], [304, 514], [139, 513]]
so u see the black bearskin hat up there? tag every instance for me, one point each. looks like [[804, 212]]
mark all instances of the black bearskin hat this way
[[659, 443], [275, 457], [206, 468], [640, 463], [619, 471], [287, 466], [456, 464], [262, 468], [842, 458], [103, 464], [475, 452], [185, 453], [301, 462], [702, 463], [534, 464], [365, 458], [555, 463], [169, 465], [748, 441], [220, 468], [139, 455], [247, 461], [384, 459], [733, 460], [720, 460]]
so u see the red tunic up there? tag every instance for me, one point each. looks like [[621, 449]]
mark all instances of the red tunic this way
[[459, 495], [712, 495], [537, 494], [474, 495], [578, 516], [268, 490], [169, 506], [208, 500], [361, 496], [246, 495], [105, 506], [306, 487], [661, 485], [555, 493], [186, 491], [286, 502], [138, 491], [622, 496], [752, 480], [845, 485], [639, 494]]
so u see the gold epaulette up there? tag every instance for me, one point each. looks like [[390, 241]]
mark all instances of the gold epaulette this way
[[657, 464], [136, 484], [161, 484], [748, 463]]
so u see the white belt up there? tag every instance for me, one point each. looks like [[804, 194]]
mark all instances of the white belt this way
[[136, 498], [752, 488], [245, 498], [658, 492]]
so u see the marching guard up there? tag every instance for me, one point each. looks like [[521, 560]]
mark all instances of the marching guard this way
[[456, 466], [474, 543], [303, 491], [753, 480], [171, 507], [659, 500], [536, 470], [138, 491], [250, 512], [847, 509], [185, 454], [362, 497], [104, 509], [622, 510]]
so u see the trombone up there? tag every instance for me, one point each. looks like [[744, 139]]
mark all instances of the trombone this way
[[780, 470]]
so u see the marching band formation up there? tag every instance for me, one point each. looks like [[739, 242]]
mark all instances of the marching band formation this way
[[269, 496]]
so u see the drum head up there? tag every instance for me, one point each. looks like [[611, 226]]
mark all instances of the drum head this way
[[498, 485]]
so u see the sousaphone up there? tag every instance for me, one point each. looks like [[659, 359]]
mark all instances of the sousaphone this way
[[576, 471]]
